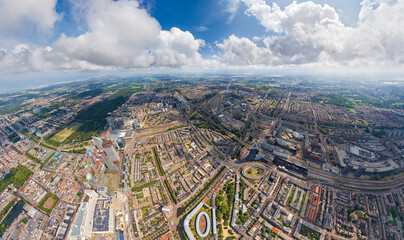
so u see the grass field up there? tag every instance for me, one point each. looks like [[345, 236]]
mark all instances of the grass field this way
[[351, 110], [66, 132], [47, 205], [254, 171]]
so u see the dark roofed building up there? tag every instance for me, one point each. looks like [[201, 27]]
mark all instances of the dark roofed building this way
[[254, 150]]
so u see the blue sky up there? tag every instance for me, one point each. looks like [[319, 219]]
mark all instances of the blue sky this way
[[206, 19], [153, 35], [191, 15]]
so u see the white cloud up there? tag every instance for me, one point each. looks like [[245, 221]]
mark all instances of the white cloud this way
[[201, 28], [177, 48], [22, 15], [120, 35], [231, 8], [242, 51], [24, 59], [312, 33]]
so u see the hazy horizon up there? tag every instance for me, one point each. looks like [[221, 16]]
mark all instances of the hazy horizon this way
[[19, 82]]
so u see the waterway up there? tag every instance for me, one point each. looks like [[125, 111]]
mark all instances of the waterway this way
[[12, 215]]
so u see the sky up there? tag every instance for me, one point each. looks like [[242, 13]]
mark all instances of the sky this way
[[40, 36]]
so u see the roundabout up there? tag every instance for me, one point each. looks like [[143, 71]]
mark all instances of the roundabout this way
[[254, 171]]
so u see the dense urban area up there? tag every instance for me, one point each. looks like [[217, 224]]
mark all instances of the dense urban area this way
[[203, 157]]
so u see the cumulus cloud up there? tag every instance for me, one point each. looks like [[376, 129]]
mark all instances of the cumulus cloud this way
[[23, 58], [177, 48], [242, 51], [120, 35], [17, 16], [312, 33]]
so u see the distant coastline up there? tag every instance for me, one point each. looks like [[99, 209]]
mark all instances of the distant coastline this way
[[14, 84]]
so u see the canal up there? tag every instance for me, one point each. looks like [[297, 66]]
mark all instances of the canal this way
[[12, 215]]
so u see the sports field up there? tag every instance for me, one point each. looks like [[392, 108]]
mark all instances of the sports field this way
[[66, 132], [49, 203]]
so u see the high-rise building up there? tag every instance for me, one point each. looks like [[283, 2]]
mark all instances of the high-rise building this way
[[106, 153], [110, 121], [105, 192], [254, 150], [112, 153], [111, 166], [98, 142]]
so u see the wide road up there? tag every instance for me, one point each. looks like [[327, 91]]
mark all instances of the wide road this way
[[358, 184], [208, 117]]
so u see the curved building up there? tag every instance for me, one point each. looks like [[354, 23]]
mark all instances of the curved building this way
[[197, 224], [188, 219]]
